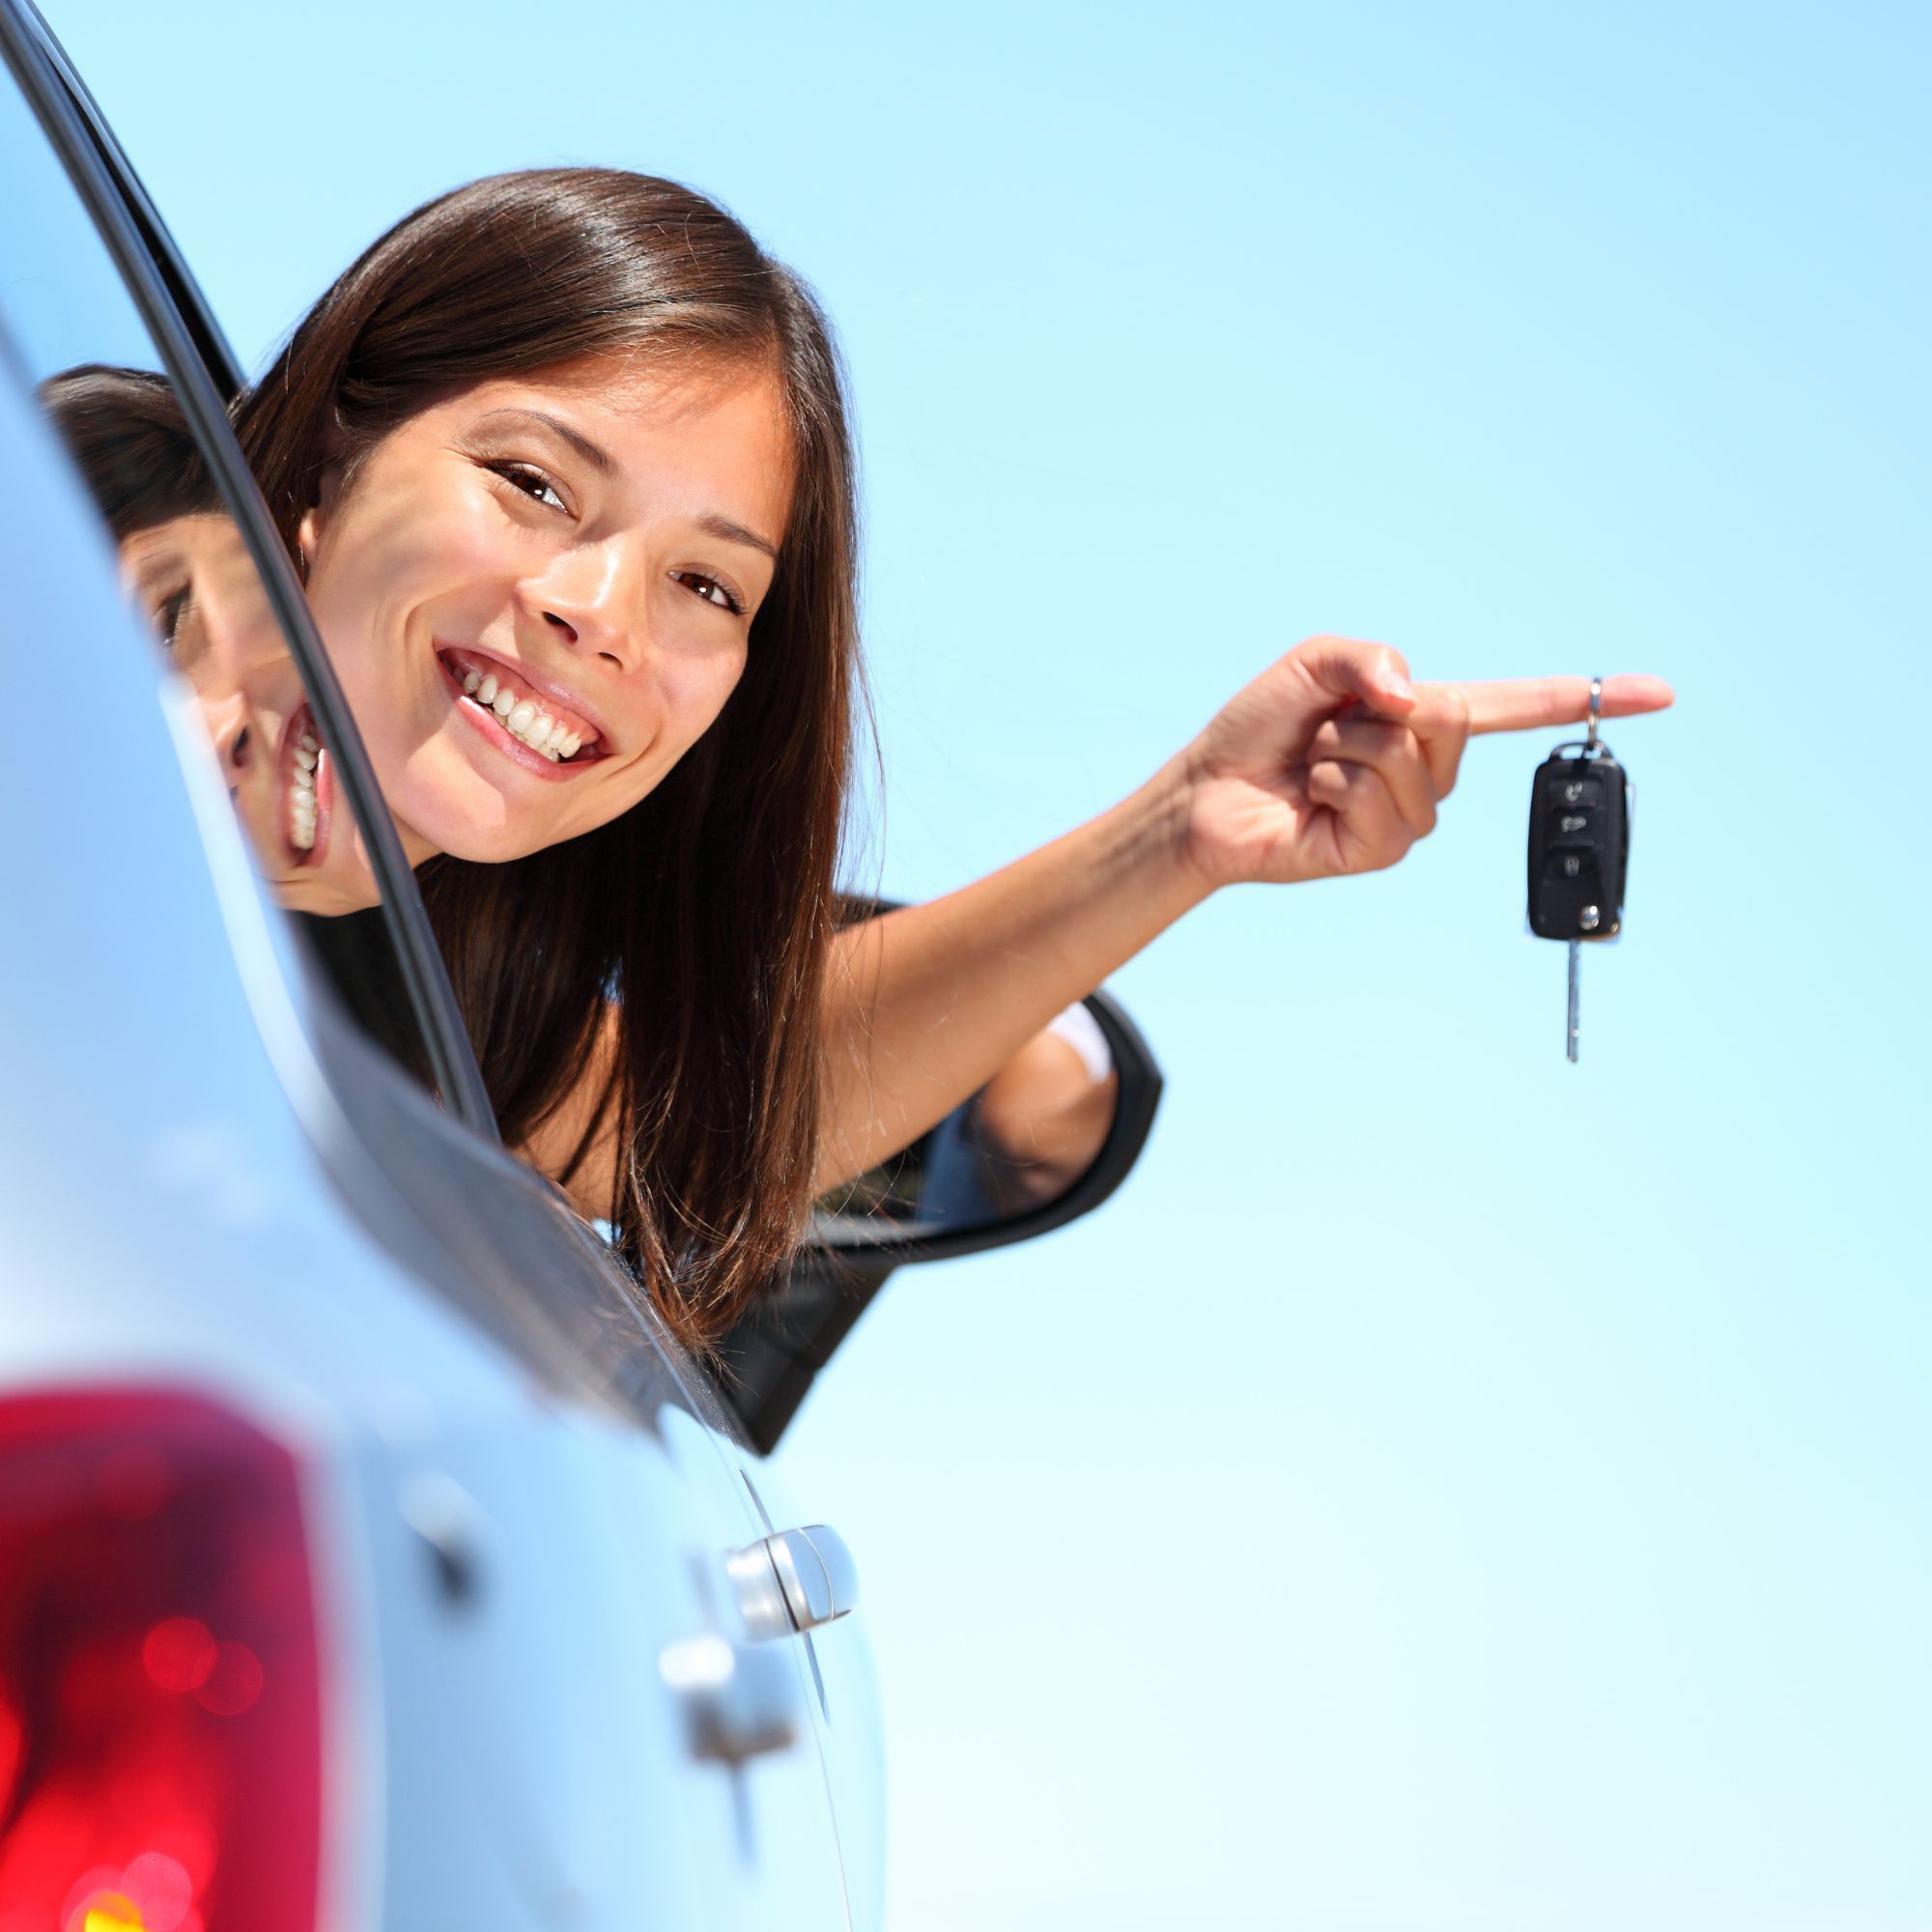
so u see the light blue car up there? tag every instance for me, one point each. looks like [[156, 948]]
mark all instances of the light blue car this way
[[369, 1556]]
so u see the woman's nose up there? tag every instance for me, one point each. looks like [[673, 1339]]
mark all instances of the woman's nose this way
[[246, 694], [230, 723], [593, 603]]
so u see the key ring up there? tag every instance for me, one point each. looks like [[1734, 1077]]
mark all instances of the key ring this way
[[1596, 710]]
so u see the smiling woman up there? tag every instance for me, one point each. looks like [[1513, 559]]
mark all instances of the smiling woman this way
[[563, 458], [551, 434]]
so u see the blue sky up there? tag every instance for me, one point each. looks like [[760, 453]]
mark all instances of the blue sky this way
[[1447, 1488]]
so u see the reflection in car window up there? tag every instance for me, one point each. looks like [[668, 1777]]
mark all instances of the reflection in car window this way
[[72, 330]]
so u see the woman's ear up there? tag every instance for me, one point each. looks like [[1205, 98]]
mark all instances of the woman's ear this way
[[308, 532]]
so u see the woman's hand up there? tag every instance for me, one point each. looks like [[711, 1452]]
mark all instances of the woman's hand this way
[[1333, 762]]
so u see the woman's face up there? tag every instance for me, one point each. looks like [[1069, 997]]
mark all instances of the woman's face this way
[[538, 593], [195, 579]]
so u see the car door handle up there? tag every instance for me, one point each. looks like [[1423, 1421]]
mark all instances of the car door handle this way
[[736, 1706], [793, 1581]]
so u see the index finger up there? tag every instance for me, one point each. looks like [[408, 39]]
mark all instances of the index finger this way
[[1534, 703]]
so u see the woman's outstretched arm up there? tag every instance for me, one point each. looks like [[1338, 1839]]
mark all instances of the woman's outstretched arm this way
[[1330, 762]]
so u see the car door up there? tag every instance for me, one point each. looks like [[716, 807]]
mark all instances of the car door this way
[[579, 1468]]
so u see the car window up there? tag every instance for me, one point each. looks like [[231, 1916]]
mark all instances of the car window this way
[[475, 1225]]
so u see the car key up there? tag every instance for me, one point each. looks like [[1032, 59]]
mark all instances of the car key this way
[[1580, 814]]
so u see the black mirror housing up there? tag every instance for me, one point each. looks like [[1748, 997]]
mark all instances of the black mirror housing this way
[[767, 1364]]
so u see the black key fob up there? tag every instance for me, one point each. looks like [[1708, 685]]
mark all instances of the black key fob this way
[[1579, 844]]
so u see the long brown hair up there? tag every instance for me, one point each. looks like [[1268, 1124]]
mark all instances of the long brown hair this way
[[698, 920]]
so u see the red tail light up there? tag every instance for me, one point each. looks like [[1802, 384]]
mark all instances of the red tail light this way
[[160, 1764]]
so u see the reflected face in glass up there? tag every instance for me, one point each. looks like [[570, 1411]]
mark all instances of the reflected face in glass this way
[[539, 593], [194, 579]]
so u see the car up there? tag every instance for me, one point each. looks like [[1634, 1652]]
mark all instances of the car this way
[[370, 1554]]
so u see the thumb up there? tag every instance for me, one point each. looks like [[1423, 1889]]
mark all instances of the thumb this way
[[1373, 675]]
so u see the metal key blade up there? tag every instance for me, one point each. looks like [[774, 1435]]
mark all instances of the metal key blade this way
[[1569, 1038]]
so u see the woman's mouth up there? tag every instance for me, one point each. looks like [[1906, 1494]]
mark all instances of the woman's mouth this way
[[531, 726], [308, 790]]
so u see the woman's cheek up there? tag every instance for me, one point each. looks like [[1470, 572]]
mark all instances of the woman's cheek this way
[[448, 563], [726, 670], [470, 541], [392, 546]]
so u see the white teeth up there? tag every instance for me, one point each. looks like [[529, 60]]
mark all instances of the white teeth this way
[[301, 795], [523, 718], [538, 730], [307, 741]]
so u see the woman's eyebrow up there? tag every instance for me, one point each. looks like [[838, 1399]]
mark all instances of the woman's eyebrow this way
[[594, 454], [153, 568], [713, 524]]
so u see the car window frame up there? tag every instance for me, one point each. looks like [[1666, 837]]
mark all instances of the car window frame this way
[[196, 358]]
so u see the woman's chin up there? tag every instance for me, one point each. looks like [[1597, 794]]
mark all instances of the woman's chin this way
[[477, 837], [325, 897], [451, 807], [472, 819]]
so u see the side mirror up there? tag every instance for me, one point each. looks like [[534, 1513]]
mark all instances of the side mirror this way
[[1046, 1141]]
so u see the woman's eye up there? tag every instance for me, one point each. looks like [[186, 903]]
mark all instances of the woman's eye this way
[[710, 590], [168, 616], [532, 483]]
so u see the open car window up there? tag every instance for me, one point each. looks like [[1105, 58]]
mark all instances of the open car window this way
[[91, 333]]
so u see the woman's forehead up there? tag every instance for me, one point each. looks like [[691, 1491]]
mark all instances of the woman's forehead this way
[[199, 543], [649, 384]]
